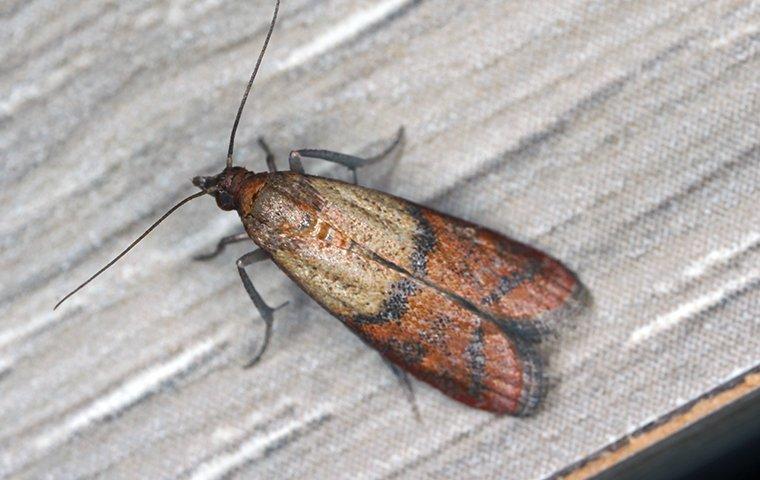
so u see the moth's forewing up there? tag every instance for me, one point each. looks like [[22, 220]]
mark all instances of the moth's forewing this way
[[454, 304], [521, 286]]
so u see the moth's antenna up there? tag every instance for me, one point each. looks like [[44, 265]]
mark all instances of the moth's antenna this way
[[250, 83], [124, 252]]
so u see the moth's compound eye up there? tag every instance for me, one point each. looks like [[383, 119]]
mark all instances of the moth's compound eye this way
[[225, 201]]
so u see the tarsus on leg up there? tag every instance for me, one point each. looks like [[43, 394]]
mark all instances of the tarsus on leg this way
[[266, 312]]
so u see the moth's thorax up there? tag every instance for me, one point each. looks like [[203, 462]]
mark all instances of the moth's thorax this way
[[282, 209], [240, 186]]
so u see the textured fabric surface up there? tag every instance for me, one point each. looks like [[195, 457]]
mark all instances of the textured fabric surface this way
[[621, 137]]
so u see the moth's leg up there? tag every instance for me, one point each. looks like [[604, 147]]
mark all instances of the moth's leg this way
[[294, 159], [238, 237], [406, 384], [270, 156], [265, 310], [349, 161]]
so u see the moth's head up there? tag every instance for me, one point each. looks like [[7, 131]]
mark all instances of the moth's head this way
[[224, 187]]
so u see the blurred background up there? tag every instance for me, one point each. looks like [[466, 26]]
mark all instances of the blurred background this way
[[621, 137]]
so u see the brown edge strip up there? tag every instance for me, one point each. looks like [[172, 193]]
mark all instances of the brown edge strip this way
[[662, 428]]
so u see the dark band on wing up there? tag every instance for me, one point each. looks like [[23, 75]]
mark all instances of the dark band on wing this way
[[507, 283], [477, 361], [424, 241], [394, 307], [411, 353]]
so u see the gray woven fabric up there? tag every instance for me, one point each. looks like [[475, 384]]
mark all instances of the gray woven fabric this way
[[622, 137]]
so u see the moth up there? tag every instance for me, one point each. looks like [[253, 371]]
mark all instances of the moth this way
[[456, 305]]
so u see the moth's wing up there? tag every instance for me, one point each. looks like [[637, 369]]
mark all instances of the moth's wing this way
[[434, 337], [411, 283], [341, 265], [525, 290], [456, 350]]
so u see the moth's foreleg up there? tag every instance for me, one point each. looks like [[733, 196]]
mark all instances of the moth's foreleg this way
[[266, 312], [349, 161], [269, 155], [223, 242]]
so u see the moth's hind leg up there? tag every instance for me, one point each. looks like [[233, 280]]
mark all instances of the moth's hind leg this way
[[266, 312], [223, 242], [349, 161], [406, 384]]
